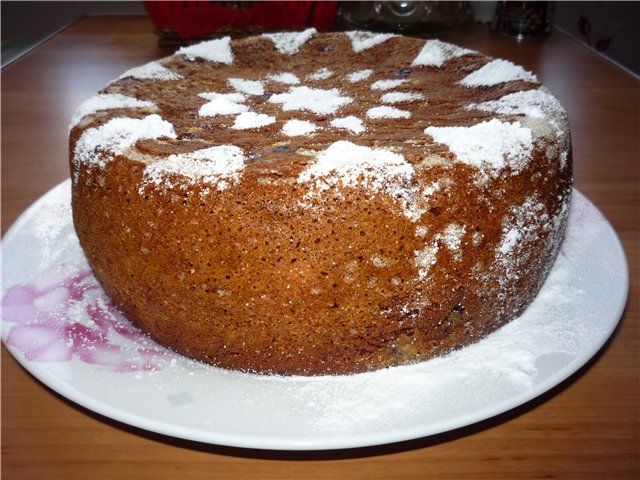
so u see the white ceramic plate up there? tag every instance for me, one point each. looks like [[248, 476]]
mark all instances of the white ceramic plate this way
[[58, 324]]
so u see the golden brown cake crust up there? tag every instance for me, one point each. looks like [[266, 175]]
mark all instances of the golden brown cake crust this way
[[398, 216]]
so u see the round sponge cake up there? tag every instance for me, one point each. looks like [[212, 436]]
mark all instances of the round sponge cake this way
[[306, 203]]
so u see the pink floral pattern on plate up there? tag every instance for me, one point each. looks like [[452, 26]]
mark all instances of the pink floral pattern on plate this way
[[66, 315]]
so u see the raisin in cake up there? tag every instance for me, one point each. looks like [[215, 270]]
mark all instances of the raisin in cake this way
[[305, 203]]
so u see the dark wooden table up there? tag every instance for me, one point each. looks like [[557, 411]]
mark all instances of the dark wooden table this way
[[585, 428]]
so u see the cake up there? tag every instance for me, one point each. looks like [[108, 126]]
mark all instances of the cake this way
[[307, 203]]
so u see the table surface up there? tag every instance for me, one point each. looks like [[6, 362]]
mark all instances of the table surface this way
[[587, 427]]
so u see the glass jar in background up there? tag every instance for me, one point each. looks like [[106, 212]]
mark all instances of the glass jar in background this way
[[403, 16], [523, 19]]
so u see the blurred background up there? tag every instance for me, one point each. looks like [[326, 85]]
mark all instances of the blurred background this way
[[610, 28]]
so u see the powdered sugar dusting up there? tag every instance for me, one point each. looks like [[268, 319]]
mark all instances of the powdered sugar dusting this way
[[538, 103], [509, 240], [493, 144], [360, 75], [426, 258], [496, 72], [222, 104], [289, 43], [387, 84], [248, 120], [108, 101], [218, 50], [287, 78], [401, 97], [435, 53], [349, 165], [522, 226], [295, 128], [452, 236], [217, 165], [316, 100], [361, 41], [351, 123], [250, 87], [151, 71], [118, 134], [321, 74], [387, 112]]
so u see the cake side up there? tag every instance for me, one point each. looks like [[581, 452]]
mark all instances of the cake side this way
[[316, 218]]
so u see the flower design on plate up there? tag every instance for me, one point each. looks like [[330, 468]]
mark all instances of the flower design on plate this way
[[66, 315]]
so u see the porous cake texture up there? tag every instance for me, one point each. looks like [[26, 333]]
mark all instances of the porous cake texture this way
[[306, 203]]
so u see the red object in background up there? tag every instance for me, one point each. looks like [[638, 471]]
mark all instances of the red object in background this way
[[197, 19]]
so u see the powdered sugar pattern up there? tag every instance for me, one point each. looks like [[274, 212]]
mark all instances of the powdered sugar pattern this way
[[349, 165], [426, 258], [387, 84], [387, 112], [361, 40], [108, 101], [289, 43], [315, 100], [537, 103], [222, 104], [493, 144], [483, 147], [496, 72], [345, 162], [249, 120], [217, 166], [435, 53], [401, 97], [287, 78], [351, 123], [250, 87], [360, 75], [321, 74], [151, 71], [295, 128], [118, 134], [218, 50]]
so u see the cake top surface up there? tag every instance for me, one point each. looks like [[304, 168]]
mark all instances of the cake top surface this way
[[298, 102]]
